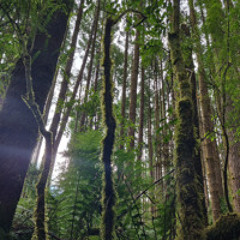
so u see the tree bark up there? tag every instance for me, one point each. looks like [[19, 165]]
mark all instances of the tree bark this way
[[108, 195], [133, 91], [67, 72], [18, 128], [191, 213], [96, 17], [158, 168], [124, 88], [150, 146], [141, 115], [69, 108], [189, 66], [234, 168]]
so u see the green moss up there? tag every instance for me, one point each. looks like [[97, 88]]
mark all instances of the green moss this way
[[190, 210], [226, 228]]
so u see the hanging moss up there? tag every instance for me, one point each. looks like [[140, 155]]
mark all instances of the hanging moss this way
[[108, 193], [226, 228]]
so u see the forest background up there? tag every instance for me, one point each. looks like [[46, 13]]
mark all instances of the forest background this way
[[148, 94]]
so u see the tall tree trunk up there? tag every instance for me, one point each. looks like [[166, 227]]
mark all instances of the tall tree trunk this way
[[191, 213], [69, 108], [234, 168], [141, 115], [67, 72], [189, 65], [133, 91], [124, 88], [150, 146], [159, 141], [165, 143], [158, 113], [108, 195], [41, 229], [212, 157], [18, 128], [96, 17]]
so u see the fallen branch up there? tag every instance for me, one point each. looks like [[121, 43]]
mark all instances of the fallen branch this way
[[154, 183]]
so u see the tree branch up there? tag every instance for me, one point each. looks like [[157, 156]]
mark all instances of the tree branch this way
[[127, 11], [154, 183]]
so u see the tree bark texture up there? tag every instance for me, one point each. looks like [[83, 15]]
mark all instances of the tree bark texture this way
[[189, 65], [108, 195], [124, 88], [133, 91], [89, 75], [69, 108], [188, 187], [141, 115], [67, 74]]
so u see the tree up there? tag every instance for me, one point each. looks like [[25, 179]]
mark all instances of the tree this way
[[19, 130], [188, 185]]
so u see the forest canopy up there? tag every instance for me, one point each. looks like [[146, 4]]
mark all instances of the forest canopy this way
[[119, 120]]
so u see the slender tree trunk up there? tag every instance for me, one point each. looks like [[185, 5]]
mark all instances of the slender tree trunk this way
[[191, 213], [18, 128], [95, 91], [40, 229], [67, 72], [165, 143], [150, 146], [133, 91], [234, 168], [124, 88], [159, 189], [66, 115], [96, 17], [141, 115], [203, 152], [157, 123]]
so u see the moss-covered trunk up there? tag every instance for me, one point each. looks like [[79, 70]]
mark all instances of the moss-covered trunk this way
[[108, 195], [40, 229], [191, 219]]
